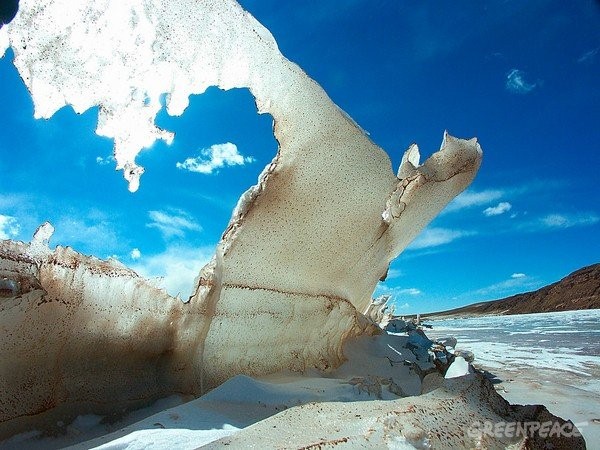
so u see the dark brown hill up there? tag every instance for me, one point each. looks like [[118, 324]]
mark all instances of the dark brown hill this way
[[578, 290]]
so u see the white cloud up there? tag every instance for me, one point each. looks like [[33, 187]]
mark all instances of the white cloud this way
[[511, 286], [516, 83], [588, 56], [555, 221], [517, 283], [135, 254], [402, 306], [568, 221], [9, 227], [171, 225], [393, 273], [432, 237], [90, 234], [471, 198], [215, 157], [500, 208], [177, 267], [396, 293], [409, 291], [12, 201], [104, 161]]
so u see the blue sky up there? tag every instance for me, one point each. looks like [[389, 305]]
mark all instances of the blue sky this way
[[521, 76]]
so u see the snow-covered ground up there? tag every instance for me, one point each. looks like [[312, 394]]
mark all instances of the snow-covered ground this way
[[243, 401], [548, 358]]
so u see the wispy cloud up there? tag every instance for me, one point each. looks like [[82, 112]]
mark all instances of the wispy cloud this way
[[91, 232], [470, 198], [516, 83], [433, 237], [176, 268], [394, 273], [409, 291], [105, 160], [11, 201], [172, 224], [215, 157], [589, 56], [9, 227], [500, 208], [568, 221], [510, 286], [397, 293], [135, 254]]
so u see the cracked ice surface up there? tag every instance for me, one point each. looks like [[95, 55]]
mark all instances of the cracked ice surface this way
[[303, 251]]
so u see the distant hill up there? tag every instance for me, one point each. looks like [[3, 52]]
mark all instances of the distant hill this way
[[578, 290]]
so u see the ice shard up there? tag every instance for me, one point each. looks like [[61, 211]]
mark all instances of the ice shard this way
[[299, 260]]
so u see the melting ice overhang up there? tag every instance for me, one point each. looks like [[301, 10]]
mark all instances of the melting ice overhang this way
[[307, 244], [328, 184]]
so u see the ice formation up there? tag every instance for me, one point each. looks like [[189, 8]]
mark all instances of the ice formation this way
[[459, 368], [297, 264], [79, 334], [380, 310]]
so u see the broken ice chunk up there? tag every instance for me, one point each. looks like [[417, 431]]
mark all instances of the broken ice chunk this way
[[459, 368]]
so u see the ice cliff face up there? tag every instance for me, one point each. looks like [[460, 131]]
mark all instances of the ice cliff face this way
[[299, 260], [80, 334]]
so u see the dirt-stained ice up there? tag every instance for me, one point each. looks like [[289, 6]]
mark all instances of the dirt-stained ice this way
[[295, 268]]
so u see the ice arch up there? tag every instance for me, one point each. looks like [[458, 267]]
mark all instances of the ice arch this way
[[304, 248]]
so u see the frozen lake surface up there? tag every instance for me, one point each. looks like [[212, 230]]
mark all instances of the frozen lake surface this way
[[562, 341], [547, 358]]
